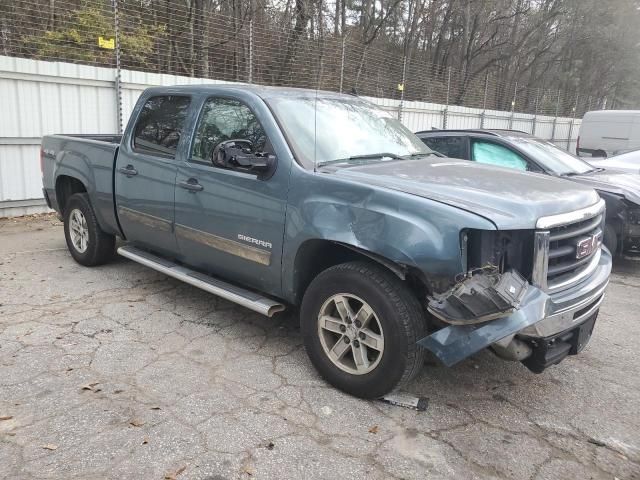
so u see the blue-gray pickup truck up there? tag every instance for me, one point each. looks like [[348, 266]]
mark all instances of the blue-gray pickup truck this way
[[284, 198]]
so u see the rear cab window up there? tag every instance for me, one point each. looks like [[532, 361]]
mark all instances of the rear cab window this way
[[450, 146], [160, 125]]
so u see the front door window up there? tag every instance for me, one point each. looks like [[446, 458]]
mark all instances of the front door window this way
[[493, 154]]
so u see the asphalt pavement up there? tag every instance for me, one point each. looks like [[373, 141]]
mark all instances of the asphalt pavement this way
[[120, 372]]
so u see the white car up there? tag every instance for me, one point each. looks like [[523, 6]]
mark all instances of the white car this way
[[627, 162]]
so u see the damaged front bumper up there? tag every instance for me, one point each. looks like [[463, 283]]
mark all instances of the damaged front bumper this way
[[539, 322]]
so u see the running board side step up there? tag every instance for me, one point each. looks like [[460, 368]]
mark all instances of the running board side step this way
[[246, 298]]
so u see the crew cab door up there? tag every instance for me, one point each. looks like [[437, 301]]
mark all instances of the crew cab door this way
[[228, 221], [145, 172]]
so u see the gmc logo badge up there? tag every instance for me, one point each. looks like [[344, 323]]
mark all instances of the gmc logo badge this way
[[588, 245]]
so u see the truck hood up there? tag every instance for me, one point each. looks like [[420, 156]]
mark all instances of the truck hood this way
[[510, 199], [626, 185]]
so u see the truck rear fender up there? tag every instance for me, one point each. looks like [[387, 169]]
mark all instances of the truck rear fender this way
[[75, 172]]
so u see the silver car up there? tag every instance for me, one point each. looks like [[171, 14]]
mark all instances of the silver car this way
[[627, 162]]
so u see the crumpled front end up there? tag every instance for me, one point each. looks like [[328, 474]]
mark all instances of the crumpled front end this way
[[538, 321]]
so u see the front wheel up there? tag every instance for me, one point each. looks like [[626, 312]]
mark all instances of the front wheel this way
[[360, 325], [86, 241]]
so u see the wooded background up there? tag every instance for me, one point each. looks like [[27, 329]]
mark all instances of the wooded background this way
[[538, 56]]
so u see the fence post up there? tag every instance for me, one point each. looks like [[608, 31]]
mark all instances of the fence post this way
[[513, 106], [445, 112], [555, 119], [484, 101], [118, 82], [573, 118], [404, 76], [250, 51], [535, 114], [344, 42]]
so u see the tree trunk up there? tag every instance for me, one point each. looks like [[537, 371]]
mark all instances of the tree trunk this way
[[302, 19]]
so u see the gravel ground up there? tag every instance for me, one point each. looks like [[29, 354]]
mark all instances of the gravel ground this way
[[120, 372]]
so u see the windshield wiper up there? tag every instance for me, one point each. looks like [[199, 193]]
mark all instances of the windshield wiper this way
[[588, 172], [420, 154], [368, 156], [375, 155]]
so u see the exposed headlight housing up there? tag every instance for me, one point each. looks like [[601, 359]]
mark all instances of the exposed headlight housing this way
[[507, 250]]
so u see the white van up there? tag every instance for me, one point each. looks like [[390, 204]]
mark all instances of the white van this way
[[604, 133]]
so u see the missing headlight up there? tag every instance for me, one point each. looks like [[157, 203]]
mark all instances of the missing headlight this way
[[482, 295], [507, 250]]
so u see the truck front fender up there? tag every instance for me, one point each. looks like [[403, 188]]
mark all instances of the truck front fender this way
[[401, 231]]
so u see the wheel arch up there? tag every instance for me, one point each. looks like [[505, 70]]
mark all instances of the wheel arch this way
[[316, 255], [66, 186]]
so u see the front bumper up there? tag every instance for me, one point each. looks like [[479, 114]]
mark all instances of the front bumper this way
[[552, 350], [540, 316]]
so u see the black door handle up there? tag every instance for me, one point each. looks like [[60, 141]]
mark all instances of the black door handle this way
[[129, 171], [192, 185]]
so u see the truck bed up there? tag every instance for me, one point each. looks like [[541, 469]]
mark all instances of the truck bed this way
[[89, 158], [109, 138]]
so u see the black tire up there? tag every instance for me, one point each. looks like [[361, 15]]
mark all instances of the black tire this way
[[610, 239], [100, 245], [398, 312]]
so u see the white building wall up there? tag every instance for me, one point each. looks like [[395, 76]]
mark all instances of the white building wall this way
[[40, 98]]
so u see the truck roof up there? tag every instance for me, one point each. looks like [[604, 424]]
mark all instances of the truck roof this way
[[260, 90], [496, 132]]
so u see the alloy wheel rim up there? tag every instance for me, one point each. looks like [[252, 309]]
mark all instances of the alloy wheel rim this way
[[351, 334], [78, 230]]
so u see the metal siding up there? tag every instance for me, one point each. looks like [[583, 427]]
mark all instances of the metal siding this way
[[9, 120], [40, 98], [20, 177]]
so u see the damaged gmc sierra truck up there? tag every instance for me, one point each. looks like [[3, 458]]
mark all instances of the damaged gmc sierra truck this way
[[277, 198]]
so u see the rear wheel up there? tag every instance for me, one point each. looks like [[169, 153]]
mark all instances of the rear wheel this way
[[86, 241], [360, 325]]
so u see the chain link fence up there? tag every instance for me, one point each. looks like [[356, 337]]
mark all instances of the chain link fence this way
[[161, 42], [264, 47]]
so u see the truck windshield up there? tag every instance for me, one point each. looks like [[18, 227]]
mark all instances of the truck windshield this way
[[334, 130], [551, 157]]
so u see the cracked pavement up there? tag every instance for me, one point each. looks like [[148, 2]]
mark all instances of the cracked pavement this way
[[121, 372]]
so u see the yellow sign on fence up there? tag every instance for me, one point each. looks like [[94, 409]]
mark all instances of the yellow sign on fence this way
[[108, 43]]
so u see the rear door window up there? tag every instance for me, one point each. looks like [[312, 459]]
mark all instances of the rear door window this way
[[160, 125], [452, 147], [493, 154]]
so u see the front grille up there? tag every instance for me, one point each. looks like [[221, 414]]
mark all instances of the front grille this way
[[567, 247], [563, 248]]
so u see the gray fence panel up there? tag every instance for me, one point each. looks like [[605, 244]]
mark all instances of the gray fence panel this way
[[40, 98]]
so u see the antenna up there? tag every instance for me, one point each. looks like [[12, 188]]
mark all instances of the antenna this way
[[315, 114], [315, 131]]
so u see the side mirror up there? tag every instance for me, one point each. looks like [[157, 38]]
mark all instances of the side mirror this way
[[238, 155]]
